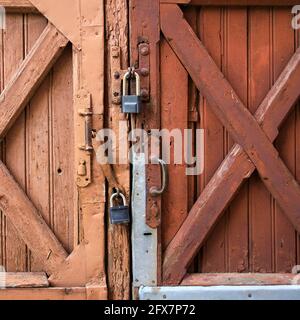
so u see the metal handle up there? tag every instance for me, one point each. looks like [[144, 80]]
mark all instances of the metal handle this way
[[154, 191]]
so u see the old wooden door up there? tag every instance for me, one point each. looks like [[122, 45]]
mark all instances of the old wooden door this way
[[231, 68], [52, 210]]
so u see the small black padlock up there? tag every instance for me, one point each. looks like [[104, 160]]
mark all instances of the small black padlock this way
[[119, 214], [131, 103]]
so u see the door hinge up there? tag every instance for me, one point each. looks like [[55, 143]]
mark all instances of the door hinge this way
[[83, 138]]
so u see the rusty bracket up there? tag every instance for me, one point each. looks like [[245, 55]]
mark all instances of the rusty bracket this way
[[117, 74], [84, 138]]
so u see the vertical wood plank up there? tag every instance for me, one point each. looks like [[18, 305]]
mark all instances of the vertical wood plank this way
[[62, 147], [118, 237], [260, 70], [213, 256], [174, 115], [236, 71], [283, 49], [37, 131], [15, 158]]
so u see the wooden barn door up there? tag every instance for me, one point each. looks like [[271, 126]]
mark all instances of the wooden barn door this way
[[231, 68], [52, 202]]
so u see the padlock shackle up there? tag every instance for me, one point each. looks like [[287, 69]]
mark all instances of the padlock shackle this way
[[115, 195], [137, 81]]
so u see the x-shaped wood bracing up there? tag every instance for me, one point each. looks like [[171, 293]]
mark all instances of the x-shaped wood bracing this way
[[253, 135], [13, 201]]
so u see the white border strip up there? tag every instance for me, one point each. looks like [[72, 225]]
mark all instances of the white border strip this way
[[221, 293]]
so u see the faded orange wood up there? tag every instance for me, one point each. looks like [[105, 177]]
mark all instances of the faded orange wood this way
[[32, 71], [86, 263], [37, 136], [25, 280], [28, 223], [238, 279]]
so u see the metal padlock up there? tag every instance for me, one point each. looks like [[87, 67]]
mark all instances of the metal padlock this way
[[119, 214], [131, 103]]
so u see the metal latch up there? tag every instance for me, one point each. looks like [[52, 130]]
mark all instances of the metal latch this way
[[83, 138]]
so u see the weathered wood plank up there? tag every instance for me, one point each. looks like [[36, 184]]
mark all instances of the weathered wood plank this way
[[29, 224], [189, 244], [18, 6], [34, 68], [238, 279], [44, 294], [118, 236], [25, 280], [15, 153]]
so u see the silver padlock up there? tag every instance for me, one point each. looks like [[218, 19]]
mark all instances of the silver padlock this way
[[131, 103], [119, 214]]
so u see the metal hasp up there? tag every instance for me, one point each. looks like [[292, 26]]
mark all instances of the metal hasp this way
[[144, 238], [142, 70], [290, 292]]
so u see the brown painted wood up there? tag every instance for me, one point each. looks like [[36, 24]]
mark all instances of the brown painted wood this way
[[174, 114], [233, 2], [26, 280], [238, 279], [213, 253], [260, 233], [29, 76], [29, 224], [284, 233]]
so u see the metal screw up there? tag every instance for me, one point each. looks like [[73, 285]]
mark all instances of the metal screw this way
[[145, 50], [117, 75], [144, 72], [144, 94]]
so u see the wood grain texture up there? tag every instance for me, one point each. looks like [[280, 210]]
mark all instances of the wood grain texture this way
[[29, 224], [238, 279], [26, 280], [44, 294], [296, 96], [118, 237], [32, 71]]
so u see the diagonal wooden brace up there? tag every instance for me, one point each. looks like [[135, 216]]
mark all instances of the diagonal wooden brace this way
[[237, 166], [29, 224], [29, 76]]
